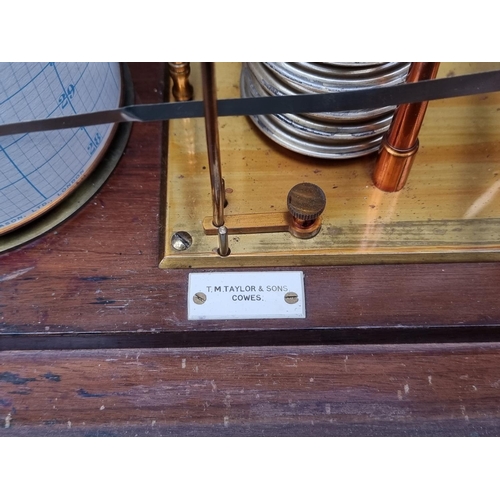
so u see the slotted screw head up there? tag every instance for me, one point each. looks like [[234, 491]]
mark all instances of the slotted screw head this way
[[181, 240], [199, 298]]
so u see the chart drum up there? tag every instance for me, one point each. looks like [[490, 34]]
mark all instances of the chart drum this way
[[42, 170]]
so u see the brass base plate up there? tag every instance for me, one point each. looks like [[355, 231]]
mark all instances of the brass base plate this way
[[448, 211]]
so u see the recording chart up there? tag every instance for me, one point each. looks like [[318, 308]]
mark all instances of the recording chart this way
[[38, 170]]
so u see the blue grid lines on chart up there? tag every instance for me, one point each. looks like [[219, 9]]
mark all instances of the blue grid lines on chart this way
[[37, 169]]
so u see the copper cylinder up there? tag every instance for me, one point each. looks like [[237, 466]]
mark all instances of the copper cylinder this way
[[400, 144]]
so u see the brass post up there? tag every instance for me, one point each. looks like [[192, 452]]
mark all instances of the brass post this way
[[212, 131], [181, 89], [400, 144], [223, 241]]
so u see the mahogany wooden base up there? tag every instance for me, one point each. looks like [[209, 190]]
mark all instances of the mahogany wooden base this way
[[94, 283]]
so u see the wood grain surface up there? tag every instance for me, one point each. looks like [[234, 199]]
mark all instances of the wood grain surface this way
[[338, 391]]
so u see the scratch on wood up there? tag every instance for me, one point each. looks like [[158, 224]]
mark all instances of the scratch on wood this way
[[294, 359], [14, 378], [101, 301], [119, 306], [52, 377], [84, 394], [8, 420], [96, 278], [183, 363], [429, 378], [214, 385], [22, 392], [407, 389], [15, 274], [464, 414], [226, 421]]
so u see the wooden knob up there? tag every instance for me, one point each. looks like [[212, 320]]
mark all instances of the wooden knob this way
[[306, 201]]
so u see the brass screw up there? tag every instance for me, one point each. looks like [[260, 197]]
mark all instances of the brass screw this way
[[291, 298], [181, 240], [199, 298]]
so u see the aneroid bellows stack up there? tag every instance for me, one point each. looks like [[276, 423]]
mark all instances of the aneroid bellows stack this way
[[338, 135]]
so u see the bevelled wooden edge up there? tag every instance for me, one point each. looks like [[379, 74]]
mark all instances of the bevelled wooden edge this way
[[352, 390], [253, 338]]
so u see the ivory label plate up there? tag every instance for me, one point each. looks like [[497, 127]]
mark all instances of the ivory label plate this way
[[246, 295]]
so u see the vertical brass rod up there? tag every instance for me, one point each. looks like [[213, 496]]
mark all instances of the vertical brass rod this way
[[223, 241], [400, 144], [212, 132]]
